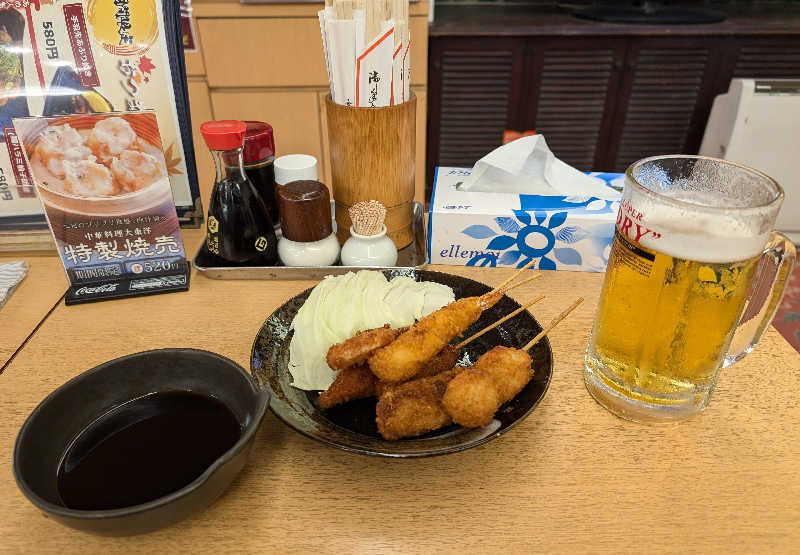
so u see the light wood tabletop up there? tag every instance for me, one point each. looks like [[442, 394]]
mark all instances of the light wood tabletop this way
[[42, 288], [570, 478]]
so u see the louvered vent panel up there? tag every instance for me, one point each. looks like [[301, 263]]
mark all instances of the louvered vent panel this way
[[769, 61], [572, 98], [474, 108], [666, 84]]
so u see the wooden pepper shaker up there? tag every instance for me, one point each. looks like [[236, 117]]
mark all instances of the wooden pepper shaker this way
[[308, 237]]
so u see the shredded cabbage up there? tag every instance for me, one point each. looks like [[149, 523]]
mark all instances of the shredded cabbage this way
[[341, 306]]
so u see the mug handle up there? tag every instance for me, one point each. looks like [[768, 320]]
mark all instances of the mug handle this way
[[765, 296]]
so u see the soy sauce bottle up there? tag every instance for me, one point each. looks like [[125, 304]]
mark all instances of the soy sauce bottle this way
[[238, 229], [259, 154]]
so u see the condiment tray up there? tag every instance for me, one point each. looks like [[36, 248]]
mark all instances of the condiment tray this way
[[413, 256]]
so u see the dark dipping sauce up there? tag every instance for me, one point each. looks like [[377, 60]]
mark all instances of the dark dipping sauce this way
[[262, 176], [144, 449]]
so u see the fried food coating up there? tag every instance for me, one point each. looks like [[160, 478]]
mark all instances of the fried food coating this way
[[444, 360], [509, 368], [357, 349], [358, 382], [414, 407], [351, 383], [473, 397], [405, 356]]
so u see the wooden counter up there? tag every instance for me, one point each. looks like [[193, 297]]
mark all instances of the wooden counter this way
[[570, 478], [43, 286]]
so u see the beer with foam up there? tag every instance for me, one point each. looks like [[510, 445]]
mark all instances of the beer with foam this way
[[678, 280]]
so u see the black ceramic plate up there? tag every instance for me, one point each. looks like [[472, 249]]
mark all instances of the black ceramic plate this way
[[352, 426]]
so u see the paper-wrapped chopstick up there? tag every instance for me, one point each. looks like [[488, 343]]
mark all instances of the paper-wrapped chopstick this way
[[367, 55]]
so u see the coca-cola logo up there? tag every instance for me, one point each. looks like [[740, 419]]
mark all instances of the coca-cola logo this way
[[106, 288]]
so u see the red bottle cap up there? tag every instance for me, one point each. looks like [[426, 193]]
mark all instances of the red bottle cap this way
[[259, 142], [224, 134]]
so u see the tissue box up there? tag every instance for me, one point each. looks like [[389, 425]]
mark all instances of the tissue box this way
[[509, 229]]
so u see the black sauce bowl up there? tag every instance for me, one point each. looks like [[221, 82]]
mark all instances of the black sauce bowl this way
[[62, 415]]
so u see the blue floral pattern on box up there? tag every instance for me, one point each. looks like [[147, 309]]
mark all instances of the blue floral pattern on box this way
[[540, 231]]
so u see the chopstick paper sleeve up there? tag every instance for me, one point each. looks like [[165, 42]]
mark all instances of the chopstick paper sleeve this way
[[406, 71], [323, 16], [374, 72], [397, 75], [343, 56]]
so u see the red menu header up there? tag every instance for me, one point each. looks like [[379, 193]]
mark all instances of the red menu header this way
[[79, 40]]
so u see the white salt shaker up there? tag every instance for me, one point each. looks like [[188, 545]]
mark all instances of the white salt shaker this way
[[295, 167], [368, 244]]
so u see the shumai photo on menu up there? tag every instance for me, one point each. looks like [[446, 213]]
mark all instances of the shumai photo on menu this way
[[103, 180]]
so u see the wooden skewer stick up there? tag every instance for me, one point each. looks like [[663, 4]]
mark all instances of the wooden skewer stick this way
[[515, 275], [500, 321], [397, 10], [374, 11], [399, 33], [553, 323], [399, 21], [517, 284], [344, 9]]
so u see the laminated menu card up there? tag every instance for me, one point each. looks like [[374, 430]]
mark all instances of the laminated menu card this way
[[104, 184], [63, 57]]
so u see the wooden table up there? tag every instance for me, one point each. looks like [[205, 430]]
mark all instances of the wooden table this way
[[43, 287], [570, 478]]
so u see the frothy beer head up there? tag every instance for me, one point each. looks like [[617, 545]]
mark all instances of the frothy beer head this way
[[698, 208]]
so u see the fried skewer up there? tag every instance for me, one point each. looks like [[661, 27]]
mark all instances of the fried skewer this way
[[446, 359], [401, 360], [417, 406], [356, 381], [357, 349], [473, 397], [414, 407], [466, 395], [496, 377]]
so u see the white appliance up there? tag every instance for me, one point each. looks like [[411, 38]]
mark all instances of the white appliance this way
[[757, 123]]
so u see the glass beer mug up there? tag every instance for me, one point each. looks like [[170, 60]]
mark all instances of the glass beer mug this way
[[695, 275]]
